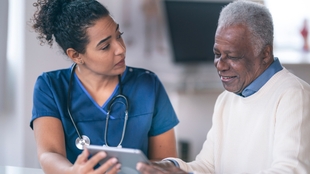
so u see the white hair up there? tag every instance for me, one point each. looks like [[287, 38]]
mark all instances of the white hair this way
[[255, 17]]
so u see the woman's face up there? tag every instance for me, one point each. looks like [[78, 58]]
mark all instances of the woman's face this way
[[105, 53]]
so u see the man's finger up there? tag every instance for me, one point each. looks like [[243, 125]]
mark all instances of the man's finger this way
[[147, 169]]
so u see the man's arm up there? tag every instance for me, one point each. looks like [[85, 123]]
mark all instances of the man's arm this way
[[291, 151], [204, 161], [151, 169]]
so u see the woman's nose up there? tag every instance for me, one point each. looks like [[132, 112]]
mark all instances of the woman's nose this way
[[120, 48]]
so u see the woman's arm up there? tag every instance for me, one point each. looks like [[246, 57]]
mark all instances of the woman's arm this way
[[162, 146], [49, 135]]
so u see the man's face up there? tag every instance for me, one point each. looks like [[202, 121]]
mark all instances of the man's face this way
[[236, 63]]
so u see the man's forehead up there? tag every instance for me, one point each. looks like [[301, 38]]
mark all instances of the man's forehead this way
[[232, 39], [231, 35], [233, 29]]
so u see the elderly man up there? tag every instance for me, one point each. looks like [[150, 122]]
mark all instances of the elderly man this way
[[261, 123]]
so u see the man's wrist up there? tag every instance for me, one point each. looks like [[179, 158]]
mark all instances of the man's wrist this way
[[174, 162]]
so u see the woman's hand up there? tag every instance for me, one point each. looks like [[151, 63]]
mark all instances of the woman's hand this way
[[52, 151], [84, 166], [151, 169]]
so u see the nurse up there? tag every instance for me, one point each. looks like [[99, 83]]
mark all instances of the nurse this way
[[90, 37]]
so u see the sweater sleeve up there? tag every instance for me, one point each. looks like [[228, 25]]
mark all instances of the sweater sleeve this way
[[292, 143], [204, 160]]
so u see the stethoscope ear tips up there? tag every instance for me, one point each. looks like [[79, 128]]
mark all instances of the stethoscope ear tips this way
[[80, 143]]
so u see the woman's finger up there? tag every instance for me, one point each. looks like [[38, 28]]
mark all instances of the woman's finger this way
[[108, 164], [93, 161], [82, 158], [115, 169]]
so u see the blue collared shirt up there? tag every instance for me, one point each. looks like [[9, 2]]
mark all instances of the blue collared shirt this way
[[261, 80]]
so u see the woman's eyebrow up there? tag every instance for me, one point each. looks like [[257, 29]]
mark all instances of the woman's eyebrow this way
[[117, 27], [103, 40]]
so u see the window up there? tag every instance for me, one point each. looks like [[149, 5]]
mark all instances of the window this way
[[289, 17]]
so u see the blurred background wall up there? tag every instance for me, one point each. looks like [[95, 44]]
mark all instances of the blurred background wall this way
[[3, 47], [192, 88]]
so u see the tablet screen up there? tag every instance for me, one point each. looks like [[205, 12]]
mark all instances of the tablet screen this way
[[126, 156]]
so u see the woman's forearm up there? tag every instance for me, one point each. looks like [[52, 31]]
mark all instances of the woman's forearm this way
[[55, 163]]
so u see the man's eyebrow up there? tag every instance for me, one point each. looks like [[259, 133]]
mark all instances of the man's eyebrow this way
[[225, 51], [215, 49]]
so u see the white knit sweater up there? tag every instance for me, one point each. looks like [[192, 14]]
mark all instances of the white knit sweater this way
[[267, 132]]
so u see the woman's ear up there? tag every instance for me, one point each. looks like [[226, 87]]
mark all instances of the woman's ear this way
[[74, 56]]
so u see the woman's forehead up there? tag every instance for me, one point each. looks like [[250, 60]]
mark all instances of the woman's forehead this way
[[103, 28]]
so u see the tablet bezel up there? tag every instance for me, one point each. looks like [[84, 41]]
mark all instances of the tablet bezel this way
[[127, 157]]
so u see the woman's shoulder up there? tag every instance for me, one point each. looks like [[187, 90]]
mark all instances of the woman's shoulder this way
[[60, 75], [135, 75], [56, 73], [139, 71]]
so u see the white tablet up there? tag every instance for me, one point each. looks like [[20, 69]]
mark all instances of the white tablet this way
[[126, 156]]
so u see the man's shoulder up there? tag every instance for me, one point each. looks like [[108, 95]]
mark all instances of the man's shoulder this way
[[224, 97], [286, 80]]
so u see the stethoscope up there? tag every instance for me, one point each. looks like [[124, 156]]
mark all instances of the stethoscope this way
[[83, 140]]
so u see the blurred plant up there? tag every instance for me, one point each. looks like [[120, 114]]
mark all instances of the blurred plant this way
[[153, 26], [304, 33]]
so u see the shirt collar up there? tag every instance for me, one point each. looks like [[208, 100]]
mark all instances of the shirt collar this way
[[261, 80]]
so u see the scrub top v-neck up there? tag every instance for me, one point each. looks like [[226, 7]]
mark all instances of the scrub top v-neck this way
[[150, 110], [115, 92]]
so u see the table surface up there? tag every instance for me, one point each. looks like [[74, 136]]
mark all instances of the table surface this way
[[19, 170]]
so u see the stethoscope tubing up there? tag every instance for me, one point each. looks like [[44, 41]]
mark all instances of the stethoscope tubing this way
[[68, 103], [83, 139]]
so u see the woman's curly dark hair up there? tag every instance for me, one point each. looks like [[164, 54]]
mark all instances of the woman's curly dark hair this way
[[67, 21]]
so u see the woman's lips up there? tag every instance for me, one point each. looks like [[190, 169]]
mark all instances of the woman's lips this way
[[121, 63]]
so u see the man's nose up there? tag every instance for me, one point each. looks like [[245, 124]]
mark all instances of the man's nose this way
[[221, 64]]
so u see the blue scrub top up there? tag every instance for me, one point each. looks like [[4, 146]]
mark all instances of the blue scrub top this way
[[150, 110]]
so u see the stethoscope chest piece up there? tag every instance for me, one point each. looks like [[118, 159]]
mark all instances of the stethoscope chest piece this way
[[80, 143]]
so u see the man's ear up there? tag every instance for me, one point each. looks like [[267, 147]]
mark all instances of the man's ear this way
[[74, 56], [267, 55]]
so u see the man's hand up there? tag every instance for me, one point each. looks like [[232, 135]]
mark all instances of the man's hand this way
[[163, 164], [151, 169]]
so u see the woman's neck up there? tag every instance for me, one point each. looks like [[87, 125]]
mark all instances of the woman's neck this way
[[100, 87], [95, 81]]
